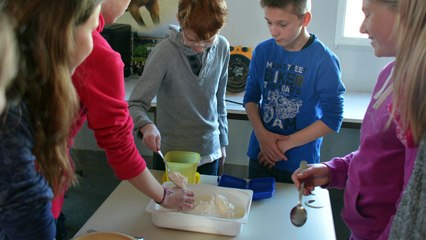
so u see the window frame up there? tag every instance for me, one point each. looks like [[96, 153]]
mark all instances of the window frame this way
[[340, 39]]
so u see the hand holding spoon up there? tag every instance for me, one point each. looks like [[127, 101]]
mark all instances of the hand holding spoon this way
[[298, 214]]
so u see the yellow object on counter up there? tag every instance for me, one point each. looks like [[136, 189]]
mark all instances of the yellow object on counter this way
[[185, 163]]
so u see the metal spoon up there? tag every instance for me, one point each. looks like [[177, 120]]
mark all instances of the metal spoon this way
[[175, 181], [298, 214], [161, 155], [164, 160]]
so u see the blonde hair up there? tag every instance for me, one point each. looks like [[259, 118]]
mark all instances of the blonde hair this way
[[203, 17], [8, 53], [410, 68]]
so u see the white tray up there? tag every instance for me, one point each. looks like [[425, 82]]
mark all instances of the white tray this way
[[241, 198]]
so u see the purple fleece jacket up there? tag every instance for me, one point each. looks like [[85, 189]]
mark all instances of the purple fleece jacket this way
[[373, 176]]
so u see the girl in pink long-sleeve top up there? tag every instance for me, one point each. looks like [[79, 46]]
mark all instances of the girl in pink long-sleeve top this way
[[373, 176]]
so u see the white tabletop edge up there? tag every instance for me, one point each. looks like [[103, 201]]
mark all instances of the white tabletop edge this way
[[124, 211]]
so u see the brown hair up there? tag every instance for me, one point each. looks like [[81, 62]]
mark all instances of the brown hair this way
[[45, 35], [204, 17], [410, 68], [300, 7]]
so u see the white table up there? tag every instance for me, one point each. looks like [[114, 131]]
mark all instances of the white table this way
[[269, 219]]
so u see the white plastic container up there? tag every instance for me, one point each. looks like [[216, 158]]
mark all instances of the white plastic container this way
[[241, 198]]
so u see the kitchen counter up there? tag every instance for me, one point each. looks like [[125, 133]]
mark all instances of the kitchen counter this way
[[356, 104], [124, 211]]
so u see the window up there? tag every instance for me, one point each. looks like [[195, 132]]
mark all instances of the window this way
[[349, 19]]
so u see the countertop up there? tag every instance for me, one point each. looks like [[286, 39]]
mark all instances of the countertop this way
[[124, 211]]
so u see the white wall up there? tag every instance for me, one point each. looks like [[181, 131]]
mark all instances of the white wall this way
[[246, 26]]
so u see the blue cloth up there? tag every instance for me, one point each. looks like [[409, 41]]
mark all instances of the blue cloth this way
[[24, 194], [293, 90]]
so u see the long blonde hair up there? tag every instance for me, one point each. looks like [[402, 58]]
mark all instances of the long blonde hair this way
[[45, 34], [410, 68]]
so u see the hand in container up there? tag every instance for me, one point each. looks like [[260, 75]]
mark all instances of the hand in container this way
[[178, 198]]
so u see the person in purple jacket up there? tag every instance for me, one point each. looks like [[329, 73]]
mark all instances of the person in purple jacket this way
[[373, 176]]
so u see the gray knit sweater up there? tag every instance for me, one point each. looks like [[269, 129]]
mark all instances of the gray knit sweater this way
[[191, 111], [410, 219]]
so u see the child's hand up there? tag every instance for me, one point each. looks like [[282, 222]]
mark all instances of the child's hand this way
[[151, 137], [284, 144], [264, 162], [269, 148], [314, 175], [178, 198]]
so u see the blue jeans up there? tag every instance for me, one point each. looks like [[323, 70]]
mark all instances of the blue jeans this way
[[256, 170], [211, 168], [38, 224]]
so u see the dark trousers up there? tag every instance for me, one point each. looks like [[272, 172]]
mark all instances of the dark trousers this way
[[211, 168], [256, 170]]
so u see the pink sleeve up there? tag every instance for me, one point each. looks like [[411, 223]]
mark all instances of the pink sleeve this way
[[57, 204], [339, 170]]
